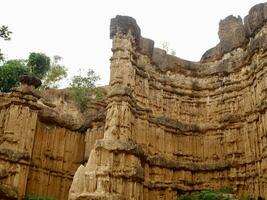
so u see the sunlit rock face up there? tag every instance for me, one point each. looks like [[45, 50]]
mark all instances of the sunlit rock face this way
[[166, 125], [173, 125], [44, 138]]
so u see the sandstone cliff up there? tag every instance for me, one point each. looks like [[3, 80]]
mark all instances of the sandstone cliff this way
[[173, 125], [43, 140], [168, 125]]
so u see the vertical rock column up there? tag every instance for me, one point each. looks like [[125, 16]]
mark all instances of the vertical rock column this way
[[114, 169], [17, 131]]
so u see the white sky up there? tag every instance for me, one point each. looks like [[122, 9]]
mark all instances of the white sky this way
[[78, 30]]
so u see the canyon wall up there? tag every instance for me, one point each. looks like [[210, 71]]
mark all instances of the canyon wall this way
[[174, 126], [168, 126], [42, 143]]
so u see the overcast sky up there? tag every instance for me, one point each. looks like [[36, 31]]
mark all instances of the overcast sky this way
[[78, 30]]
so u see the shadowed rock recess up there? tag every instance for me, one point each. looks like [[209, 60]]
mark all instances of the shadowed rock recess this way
[[166, 125]]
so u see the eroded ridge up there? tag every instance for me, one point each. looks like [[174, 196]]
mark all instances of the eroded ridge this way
[[173, 125], [44, 138]]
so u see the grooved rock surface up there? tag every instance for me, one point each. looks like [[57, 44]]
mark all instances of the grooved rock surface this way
[[166, 125], [43, 140], [175, 126], [231, 33]]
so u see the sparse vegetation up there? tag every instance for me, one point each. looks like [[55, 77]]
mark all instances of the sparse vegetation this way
[[5, 34], [166, 47], [83, 89], [221, 194], [226, 190], [56, 73], [39, 198]]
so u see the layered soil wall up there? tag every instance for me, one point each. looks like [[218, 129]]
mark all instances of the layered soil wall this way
[[175, 126], [41, 145]]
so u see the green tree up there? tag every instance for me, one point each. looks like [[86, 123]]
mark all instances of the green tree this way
[[5, 34], [9, 73], [39, 64], [56, 73], [83, 88]]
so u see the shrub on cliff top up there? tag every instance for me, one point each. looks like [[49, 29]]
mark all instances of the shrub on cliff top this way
[[10, 72], [83, 89], [39, 64]]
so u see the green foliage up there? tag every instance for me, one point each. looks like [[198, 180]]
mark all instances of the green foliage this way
[[9, 73], [39, 64], [209, 195], [38, 198], [56, 73], [5, 34], [83, 89], [220, 194], [189, 197], [226, 190]]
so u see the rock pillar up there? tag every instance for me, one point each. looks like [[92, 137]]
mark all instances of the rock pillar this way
[[114, 169], [17, 130]]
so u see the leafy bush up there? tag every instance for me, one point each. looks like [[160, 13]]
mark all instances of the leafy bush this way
[[56, 73], [189, 197], [83, 89], [39, 64], [226, 190], [10, 72], [208, 195]]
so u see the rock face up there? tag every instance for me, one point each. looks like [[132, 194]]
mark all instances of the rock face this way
[[41, 146], [232, 34], [167, 125], [174, 126]]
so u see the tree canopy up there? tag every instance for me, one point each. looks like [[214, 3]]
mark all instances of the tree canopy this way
[[56, 73], [10, 72], [5, 34], [39, 64], [83, 88]]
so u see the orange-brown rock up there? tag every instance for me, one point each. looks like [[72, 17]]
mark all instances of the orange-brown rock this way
[[167, 125], [174, 126], [43, 140]]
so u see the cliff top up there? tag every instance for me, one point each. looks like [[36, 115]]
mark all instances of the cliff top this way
[[233, 33]]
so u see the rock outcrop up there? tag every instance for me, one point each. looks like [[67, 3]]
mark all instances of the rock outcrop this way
[[41, 142], [175, 126], [165, 127]]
